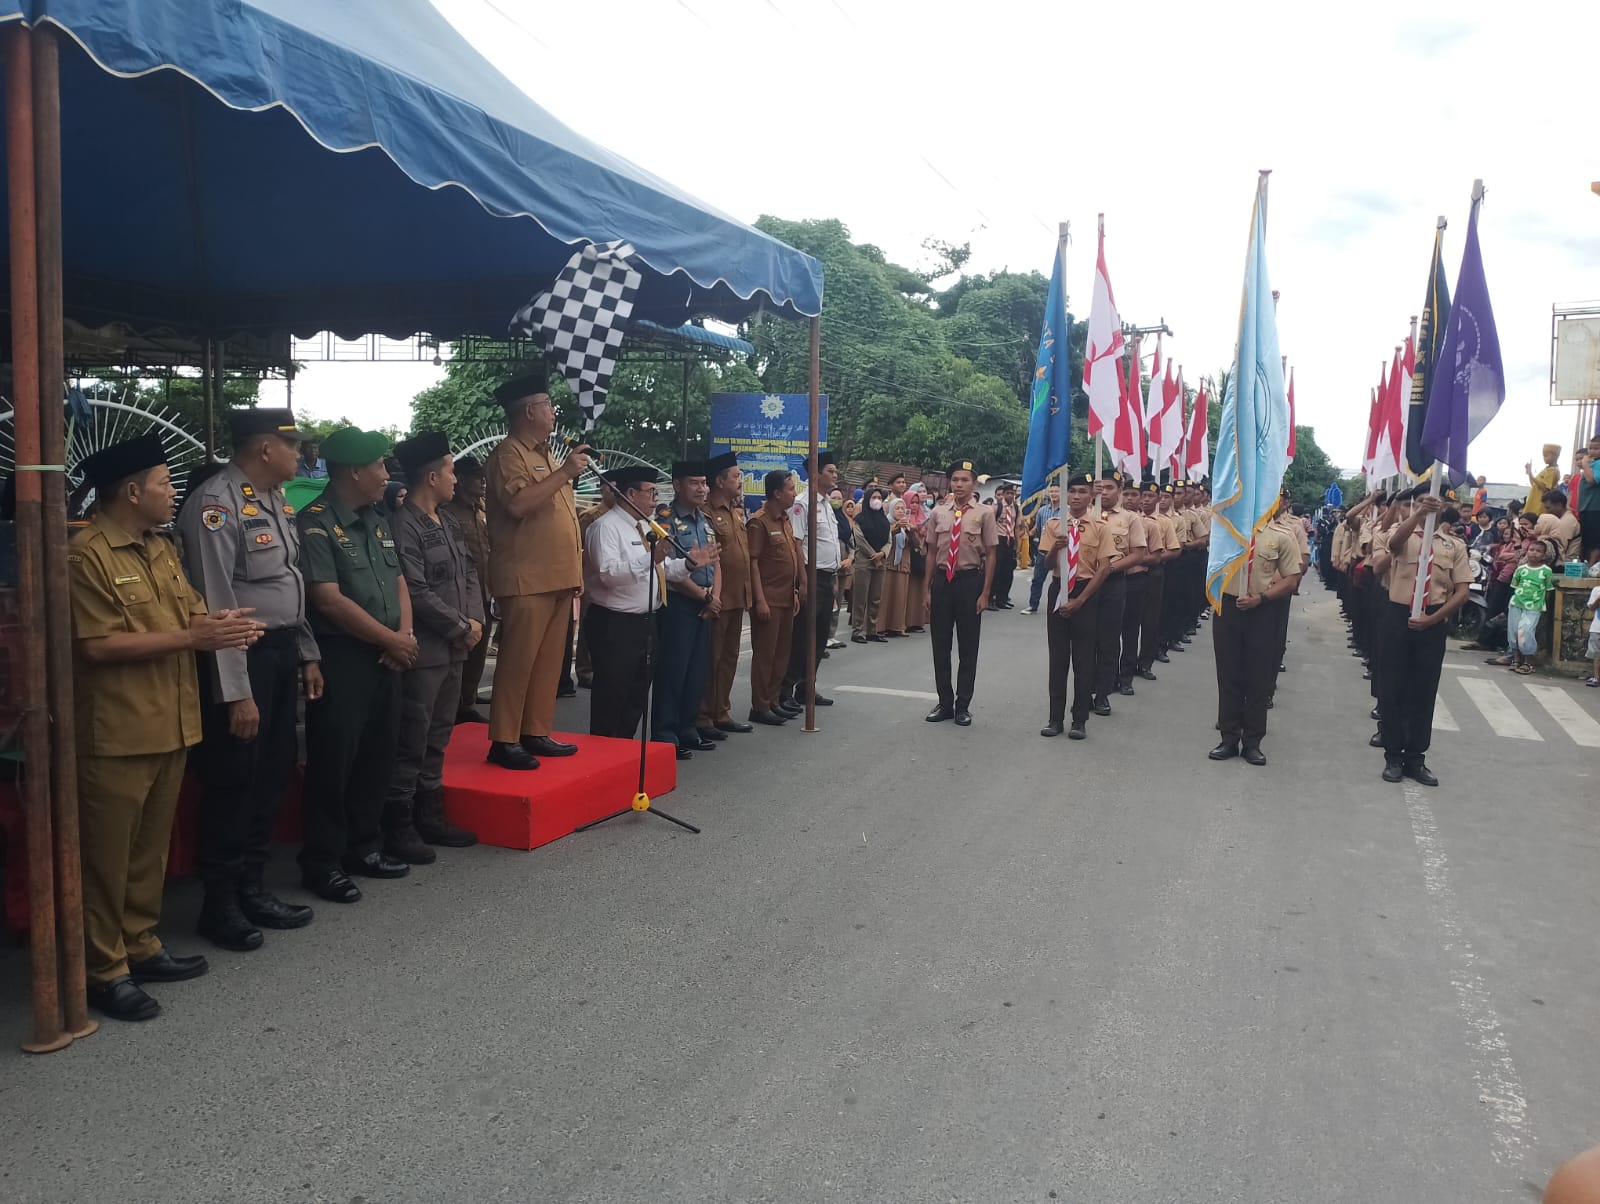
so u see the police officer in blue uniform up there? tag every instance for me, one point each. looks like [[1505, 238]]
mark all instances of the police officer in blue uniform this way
[[684, 624]]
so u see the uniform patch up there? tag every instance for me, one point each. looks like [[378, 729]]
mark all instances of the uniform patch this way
[[315, 508], [248, 509], [317, 531], [213, 518], [264, 538], [247, 490], [128, 580], [288, 509]]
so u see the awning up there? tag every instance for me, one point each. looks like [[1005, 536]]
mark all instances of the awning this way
[[353, 166]]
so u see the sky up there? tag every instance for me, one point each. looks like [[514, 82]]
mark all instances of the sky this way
[[991, 124]]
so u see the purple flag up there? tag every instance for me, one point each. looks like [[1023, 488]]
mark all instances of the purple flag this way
[[1468, 383]]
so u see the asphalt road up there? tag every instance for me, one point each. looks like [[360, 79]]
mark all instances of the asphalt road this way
[[916, 963]]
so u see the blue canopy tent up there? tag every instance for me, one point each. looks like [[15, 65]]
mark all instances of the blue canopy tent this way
[[213, 167], [200, 193]]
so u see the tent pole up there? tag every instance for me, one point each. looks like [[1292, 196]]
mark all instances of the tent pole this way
[[208, 383], [683, 423], [58, 599], [47, 1031], [811, 528]]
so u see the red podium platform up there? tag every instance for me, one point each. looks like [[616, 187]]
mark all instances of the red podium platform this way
[[525, 810]]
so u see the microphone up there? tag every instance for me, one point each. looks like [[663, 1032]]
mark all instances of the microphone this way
[[572, 443]]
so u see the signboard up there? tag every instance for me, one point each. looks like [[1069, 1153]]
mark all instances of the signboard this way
[[767, 432], [1577, 368]]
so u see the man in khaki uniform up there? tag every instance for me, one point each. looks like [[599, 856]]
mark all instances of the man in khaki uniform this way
[[1164, 549], [725, 507], [1289, 523], [1244, 640], [1076, 549], [963, 541], [1127, 534], [1413, 649], [777, 587], [136, 624], [535, 571]]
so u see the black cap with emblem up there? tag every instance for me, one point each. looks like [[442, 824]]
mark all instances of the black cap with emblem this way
[[961, 466], [246, 423], [1083, 480], [122, 460]]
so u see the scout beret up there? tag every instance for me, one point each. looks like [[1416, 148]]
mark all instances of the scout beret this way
[[1167, 489], [520, 388], [245, 423], [1111, 474], [1085, 479], [824, 458], [351, 445], [688, 468], [120, 461], [961, 466], [1150, 487], [718, 465], [422, 449], [634, 474], [469, 466]]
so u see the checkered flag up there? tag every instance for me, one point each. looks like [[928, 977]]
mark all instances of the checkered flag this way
[[582, 319]]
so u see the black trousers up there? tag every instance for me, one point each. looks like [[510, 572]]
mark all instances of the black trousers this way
[[1155, 596], [1246, 646], [1283, 630], [795, 676], [682, 664], [1005, 571], [1172, 601], [351, 736], [1108, 634], [953, 616], [1072, 647], [1412, 661], [619, 651], [243, 782], [1135, 588]]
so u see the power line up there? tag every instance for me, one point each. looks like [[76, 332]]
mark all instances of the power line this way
[[510, 20]]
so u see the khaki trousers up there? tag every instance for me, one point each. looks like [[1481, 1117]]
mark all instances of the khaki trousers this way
[[533, 647], [725, 634], [866, 597], [125, 810], [892, 610], [769, 657]]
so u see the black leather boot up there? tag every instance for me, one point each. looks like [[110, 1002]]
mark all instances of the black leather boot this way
[[434, 828], [223, 924], [403, 844]]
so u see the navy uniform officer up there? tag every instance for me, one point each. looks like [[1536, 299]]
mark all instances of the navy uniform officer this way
[[962, 541], [361, 612], [685, 623], [241, 548]]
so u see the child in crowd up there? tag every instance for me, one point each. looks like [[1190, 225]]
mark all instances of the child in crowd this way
[[1529, 586]]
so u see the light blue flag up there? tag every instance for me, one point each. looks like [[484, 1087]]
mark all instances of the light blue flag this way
[[1253, 439], [1050, 408]]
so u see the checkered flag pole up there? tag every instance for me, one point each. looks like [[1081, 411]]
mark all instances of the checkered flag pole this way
[[582, 319]]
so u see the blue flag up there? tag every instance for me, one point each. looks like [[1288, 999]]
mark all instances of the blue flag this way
[[1253, 439], [1468, 382], [1335, 496], [1050, 407]]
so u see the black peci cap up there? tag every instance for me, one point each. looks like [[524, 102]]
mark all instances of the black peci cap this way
[[688, 468], [520, 388], [121, 460], [423, 448], [718, 465], [632, 475]]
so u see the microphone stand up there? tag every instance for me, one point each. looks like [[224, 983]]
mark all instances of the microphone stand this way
[[641, 798]]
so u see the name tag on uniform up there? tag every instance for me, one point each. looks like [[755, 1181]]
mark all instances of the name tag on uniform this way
[[130, 580], [388, 543]]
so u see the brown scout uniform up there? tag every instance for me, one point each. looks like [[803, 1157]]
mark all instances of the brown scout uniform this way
[[775, 556], [136, 721], [535, 568], [728, 521]]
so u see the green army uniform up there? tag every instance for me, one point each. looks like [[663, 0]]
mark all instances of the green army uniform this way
[[353, 730]]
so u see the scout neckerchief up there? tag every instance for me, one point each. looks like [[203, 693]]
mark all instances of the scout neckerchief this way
[[955, 546], [1072, 555]]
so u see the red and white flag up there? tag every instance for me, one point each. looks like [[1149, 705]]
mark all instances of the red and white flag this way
[[1408, 370], [1175, 457], [1102, 352], [1374, 430], [1166, 426], [1197, 450], [1127, 435]]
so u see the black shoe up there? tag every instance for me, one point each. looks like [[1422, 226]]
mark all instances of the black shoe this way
[[1253, 755], [1420, 773], [1376, 740], [332, 885], [404, 844], [269, 911], [1163, 658], [544, 746], [375, 865], [163, 967], [1053, 728], [434, 828], [734, 726], [963, 717], [1126, 689], [822, 700], [121, 999], [1076, 732], [788, 711], [1270, 702], [699, 745], [824, 654], [917, 630], [1393, 772], [1225, 750], [223, 923], [567, 691], [834, 644], [1281, 668], [471, 716], [710, 733], [875, 638], [940, 713], [684, 754], [511, 756], [1102, 705], [1373, 715], [858, 639], [767, 719], [1176, 646], [1367, 675], [1147, 675]]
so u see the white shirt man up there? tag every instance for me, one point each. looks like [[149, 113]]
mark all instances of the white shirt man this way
[[616, 565]]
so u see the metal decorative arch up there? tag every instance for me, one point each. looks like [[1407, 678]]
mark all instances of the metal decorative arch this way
[[482, 439], [114, 419]]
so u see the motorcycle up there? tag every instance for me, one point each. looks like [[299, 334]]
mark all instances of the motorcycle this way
[[1474, 613]]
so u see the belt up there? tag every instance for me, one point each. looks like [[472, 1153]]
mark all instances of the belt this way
[[279, 635], [939, 574]]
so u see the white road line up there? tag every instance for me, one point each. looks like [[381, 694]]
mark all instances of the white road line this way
[[886, 692], [1569, 713], [1499, 1088], [1443, 720], [1467, 667], [1499, 710]]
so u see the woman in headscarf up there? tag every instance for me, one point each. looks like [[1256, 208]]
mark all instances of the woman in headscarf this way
[[394, 496], [916, 517], [896, 573], [872, 542]]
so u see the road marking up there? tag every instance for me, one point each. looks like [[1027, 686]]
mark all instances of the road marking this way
[[1495, 1074], [1499, 710], [1443, 720], [1472, 668], [886, 692], [1569, 713]]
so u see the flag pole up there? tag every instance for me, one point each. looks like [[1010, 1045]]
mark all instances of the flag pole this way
[[1099, 443]]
